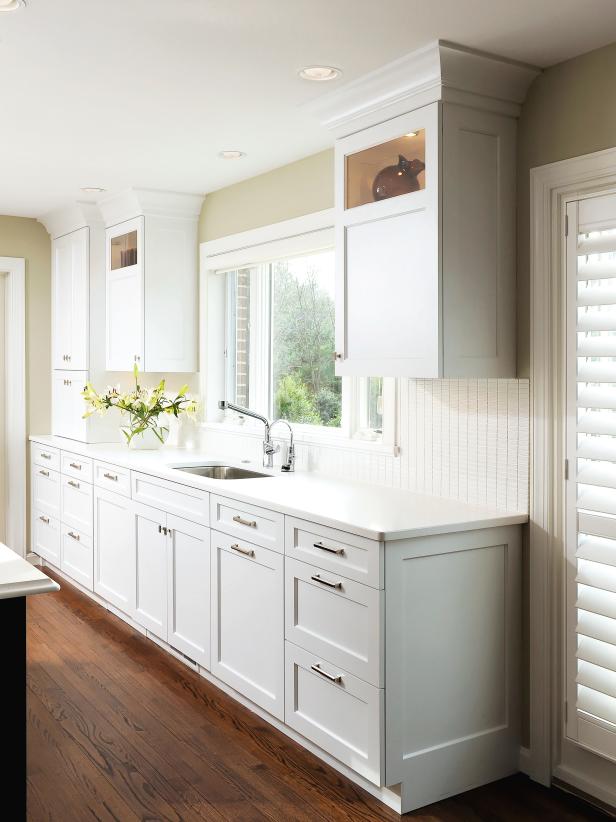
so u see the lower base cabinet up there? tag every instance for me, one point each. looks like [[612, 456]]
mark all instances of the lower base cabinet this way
[[248, 620], [46, 537], [77, 557], [151, 570], [114, 549]]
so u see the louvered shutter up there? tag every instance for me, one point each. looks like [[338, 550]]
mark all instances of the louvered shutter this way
[[592, 458]]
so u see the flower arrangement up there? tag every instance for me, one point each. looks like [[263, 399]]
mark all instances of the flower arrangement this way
[[144, 406]]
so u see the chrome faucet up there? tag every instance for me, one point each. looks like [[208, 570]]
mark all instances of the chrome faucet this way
[[269, 449], [289, 465]]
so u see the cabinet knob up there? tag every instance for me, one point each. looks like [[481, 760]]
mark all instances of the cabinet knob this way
[[338, 355]]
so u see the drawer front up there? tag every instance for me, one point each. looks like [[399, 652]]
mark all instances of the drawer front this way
[[77, 505], [45, 457], [186, 502], [46, 537], [352, 556], [337, 618], [75, 466], [338, 712], [77, 559], [46, 491], [113, 478], [248, 522]]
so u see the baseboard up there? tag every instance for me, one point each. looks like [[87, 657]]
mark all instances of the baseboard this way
[[600, 794]]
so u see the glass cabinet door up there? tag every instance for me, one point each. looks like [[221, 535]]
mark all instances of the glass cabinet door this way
[[386, 170], [123, 251]]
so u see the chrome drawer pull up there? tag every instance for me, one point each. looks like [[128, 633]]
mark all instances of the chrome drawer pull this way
[[45, 456], [44, 473], [318, 670], [74, 536], [317, 578], [339, 551], [249, 522], [45, 520], [247, 552], [75, 465], [113, 477], [74, 484]]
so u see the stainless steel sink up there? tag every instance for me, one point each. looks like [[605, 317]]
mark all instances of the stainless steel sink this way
[[220, 472]]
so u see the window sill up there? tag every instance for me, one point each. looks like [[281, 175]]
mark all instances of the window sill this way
[[303, 437]]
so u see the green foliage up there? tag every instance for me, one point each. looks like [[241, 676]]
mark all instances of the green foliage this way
[[294, 402]]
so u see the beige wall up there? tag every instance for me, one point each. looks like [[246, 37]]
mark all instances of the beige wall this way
[[22, 237], [289, 191], [569, 111]]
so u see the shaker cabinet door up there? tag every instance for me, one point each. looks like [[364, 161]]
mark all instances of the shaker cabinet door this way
[[114, 549], [151, 570], [125, 295], [70, 295]]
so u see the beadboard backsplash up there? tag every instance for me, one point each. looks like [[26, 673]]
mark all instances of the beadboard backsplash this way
[[463, 439]]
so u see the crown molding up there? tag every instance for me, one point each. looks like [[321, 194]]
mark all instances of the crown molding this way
[[438, 71], [134, 202], [69, 218]]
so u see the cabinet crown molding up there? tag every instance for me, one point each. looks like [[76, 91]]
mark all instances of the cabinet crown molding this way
[[70, 218], [438, 71], [134, 202]]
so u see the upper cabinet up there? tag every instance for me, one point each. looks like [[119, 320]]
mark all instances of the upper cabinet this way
[[151, 281], [425, 215], [70, 295]]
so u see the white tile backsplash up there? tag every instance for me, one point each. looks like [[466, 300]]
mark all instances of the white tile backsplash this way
[[462, 439]]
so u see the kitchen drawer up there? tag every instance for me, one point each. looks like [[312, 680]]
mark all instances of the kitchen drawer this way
[[45, 491], [338, 712], [189, 503], [46, 537], [355, 557], [77, 505], [335, 617], [113, 478], [249, 522], [77, 560], [75, 466], [44, 456]]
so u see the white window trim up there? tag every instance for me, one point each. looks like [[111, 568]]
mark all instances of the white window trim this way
[[299, 235], [552, 186]]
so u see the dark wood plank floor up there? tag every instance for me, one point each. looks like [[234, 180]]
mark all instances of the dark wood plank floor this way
[[118, 730]]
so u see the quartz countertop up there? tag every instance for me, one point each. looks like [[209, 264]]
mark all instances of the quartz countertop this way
[[373, 511], [19, 578]]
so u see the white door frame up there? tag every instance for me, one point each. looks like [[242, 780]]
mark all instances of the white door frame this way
[[14, 268], [552, 186]]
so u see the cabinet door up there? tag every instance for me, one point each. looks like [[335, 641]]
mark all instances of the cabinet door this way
[[77, 558], [68, 405], [70, 294], [247, 620], [46, 537], [151, 569], [188, 589], [114, 549], [45, 491], [124, 302], [387, 286]]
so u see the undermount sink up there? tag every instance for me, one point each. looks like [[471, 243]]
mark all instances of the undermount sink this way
[[220, 472]]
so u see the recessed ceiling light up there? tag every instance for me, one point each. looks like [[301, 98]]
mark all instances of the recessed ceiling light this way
[[411, 134], [93, 189], [11, 5], [319, 74], [231, 155]]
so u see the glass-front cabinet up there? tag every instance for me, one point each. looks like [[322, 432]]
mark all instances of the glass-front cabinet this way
[[125, 307]]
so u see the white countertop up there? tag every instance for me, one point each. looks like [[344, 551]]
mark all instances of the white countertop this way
[[19, 578], [372, 511]]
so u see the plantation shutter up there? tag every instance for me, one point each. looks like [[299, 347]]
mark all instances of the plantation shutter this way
[[591, 528]]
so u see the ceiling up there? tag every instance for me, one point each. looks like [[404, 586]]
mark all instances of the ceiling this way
[[118, 93]]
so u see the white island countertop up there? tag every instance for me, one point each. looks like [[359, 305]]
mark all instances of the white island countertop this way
[[19, 578], [373, 511]]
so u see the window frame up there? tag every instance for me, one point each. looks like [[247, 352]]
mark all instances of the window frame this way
[[252, 249]]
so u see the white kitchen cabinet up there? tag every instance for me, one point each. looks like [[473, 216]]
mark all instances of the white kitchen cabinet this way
[[188, 589], [76, 510], [46, 494], [425, 216], [151, 290], [77, 558], [247, 620], [70, 300], [114, 549], [68, 406], [46, 537], [151, 570]]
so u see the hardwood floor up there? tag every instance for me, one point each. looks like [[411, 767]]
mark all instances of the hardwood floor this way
[[119, 730]]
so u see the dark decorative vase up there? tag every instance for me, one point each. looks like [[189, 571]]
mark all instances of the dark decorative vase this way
[[392, 181]]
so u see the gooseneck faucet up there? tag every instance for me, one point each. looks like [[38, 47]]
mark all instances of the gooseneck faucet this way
[[269, 449], [289, 465]]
